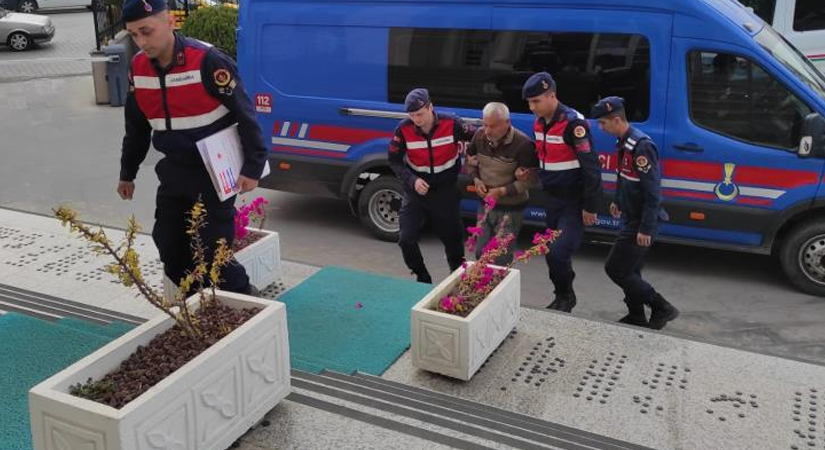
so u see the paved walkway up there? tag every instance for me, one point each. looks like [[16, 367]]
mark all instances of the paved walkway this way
[[37, 254]]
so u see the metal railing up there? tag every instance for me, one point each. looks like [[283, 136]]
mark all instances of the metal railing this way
[[107, 22]]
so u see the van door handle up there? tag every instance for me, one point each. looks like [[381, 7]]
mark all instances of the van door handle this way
[[688, 147]]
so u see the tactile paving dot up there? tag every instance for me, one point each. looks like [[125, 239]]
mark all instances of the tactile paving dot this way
[[16, 239], [663, 377], [273, 290], [600, 378], [538, 365], [734, 406], [808, 420]]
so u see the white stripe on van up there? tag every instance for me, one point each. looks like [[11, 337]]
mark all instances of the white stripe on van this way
[[310, 144]]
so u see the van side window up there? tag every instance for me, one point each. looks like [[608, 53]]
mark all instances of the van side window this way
[[733, 96], [468, 68], [762, 8], [809, 15]]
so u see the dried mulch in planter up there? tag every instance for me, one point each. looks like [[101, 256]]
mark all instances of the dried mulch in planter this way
[[251, 238], [164, 354]]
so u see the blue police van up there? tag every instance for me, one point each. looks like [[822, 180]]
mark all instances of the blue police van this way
[[737, 112]]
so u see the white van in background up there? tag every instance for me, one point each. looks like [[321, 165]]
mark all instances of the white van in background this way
[[802, 22]]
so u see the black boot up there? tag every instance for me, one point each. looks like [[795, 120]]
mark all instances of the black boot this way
[[661, 312], [422, 276], [635, 315], [253, 291], [564, 301]]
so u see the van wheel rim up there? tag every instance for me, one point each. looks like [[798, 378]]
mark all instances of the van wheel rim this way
[[384, 206], [812, 259], [27, 7], [19, 42]]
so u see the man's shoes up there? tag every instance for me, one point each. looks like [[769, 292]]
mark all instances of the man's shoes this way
[[563, 302], [423, 277], [631, 319], [661, 313], [635, 314], [253, 291]]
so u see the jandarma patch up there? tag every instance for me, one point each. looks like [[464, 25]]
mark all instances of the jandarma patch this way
[[579, 132], [642, 162], [222, 77]]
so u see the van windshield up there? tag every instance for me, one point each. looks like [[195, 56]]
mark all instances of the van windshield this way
[[792, 59]]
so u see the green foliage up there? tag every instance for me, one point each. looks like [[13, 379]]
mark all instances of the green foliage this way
[[215, 25], [92, 389]]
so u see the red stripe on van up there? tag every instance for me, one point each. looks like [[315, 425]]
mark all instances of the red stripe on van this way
[[754, 201], [345, 135], [746, 175], [688, 194]]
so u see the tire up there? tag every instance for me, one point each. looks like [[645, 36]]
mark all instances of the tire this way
[[802, 255], [27, 6], [379, 207], [19, 41]]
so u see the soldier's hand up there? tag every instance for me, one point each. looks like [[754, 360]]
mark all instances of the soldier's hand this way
[[481, 188], [615, 211], [498, 192], [421, 186], [644, 240], [588, 218], [246, 184], [126, 189]]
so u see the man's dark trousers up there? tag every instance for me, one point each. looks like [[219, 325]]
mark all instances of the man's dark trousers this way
[[180, 187], [565, 216], [440, 207], [624, 266]]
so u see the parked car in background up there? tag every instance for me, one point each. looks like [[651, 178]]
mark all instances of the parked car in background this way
[[30, 6], [802, 22], [22, 31]]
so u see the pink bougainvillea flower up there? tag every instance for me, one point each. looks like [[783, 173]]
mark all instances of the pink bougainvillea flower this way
[[475, 231], [489, 202], [447, 304]]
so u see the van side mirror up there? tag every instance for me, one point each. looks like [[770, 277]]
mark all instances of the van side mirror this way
[[812, 143]]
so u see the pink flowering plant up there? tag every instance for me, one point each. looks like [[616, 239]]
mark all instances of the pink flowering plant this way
[[481, 277], [246, 214]]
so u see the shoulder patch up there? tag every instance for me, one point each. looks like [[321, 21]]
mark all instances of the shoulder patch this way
[[642, 163], [222, 77], [579, 132]]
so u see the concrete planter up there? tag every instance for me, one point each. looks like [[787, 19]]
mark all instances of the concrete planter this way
[[206, 405], [457, 346], [261, 259]]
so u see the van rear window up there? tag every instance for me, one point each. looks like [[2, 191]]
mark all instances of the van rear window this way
[[468, 68]]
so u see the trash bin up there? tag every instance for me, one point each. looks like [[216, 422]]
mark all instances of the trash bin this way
[[117, 70], [99, 78]]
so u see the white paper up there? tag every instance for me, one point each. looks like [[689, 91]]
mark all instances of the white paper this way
[[222, 155]]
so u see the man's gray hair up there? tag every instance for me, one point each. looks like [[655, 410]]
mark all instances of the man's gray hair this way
[[496, 109]]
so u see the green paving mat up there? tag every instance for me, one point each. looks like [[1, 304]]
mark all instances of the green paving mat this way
[[33, 350], [345, 320]]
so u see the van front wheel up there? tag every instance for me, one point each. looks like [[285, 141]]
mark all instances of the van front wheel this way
[[803, 256], [379, 207]]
